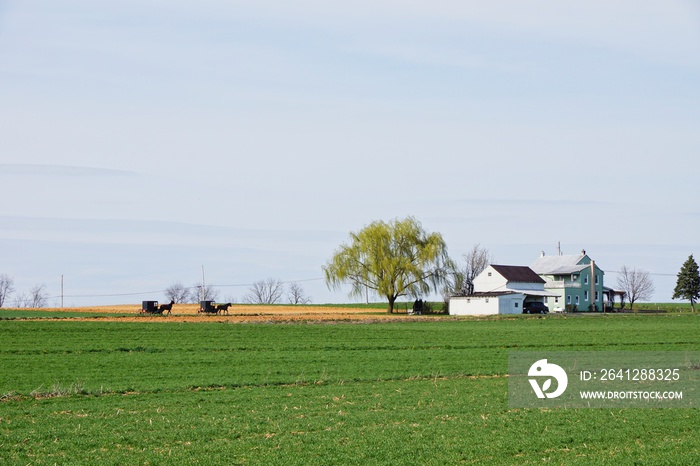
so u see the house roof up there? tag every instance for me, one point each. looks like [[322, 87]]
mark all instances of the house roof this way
[[493, 294], [558, 265], [518, 273]]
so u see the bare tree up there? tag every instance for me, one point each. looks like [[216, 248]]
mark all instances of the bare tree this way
[[477, 260], [35, 298], [196, 295], [296, 294], [462, 278], [38, 296], [177, 292], [7, 286], [267, 291], [636, 284]]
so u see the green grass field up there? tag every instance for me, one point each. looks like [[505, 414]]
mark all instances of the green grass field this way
[[383, 393]]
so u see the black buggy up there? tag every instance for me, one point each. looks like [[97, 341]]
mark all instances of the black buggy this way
[[152, 307], [210, 307]]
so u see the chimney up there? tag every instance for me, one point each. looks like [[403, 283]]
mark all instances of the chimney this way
[[542, 254], [583, 252]]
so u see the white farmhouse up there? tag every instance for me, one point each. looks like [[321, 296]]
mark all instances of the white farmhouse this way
[[576, 280], [501, 289]]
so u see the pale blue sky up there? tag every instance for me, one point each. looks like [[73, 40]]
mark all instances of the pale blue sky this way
[[144, 139]]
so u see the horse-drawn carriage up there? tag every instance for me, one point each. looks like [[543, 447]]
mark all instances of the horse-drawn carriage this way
[[210, 307], [152, 307]]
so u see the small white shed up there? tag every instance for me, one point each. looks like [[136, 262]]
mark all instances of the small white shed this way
[[507, 302]]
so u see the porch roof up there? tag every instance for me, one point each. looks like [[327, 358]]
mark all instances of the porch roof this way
[[492, 294], [546, 294]]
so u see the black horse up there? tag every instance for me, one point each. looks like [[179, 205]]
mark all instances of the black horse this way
[[166, 307], [223, 308]]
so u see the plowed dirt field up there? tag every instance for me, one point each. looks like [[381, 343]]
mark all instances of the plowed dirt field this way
[[246, 313]]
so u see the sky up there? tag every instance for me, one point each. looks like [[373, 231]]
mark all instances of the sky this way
[[142, 142]]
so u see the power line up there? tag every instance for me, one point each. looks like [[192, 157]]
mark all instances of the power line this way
[[283, 282], [650, 273], [107, 295], [137, 293]]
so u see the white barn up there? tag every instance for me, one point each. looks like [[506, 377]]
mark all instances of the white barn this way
[[501, 289]]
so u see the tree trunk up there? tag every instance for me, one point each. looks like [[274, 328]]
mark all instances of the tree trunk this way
[[390, 309]]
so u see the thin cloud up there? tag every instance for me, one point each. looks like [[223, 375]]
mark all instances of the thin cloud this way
[[542, 202], [657, 29], [451, 57], [58, 170]]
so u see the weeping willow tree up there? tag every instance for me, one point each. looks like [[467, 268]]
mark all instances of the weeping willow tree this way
[[394, 259]]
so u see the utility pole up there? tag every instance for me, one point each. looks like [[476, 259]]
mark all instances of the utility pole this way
[[61, 290]]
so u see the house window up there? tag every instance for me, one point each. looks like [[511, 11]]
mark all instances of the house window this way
[[556, 300], [585, 280], [597, 297], [585, 295], [516, 304], [596, 279], [489, 274], [577, 301], [486, 300], [568, 299]]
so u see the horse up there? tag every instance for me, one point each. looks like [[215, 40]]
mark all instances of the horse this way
[[223, 308], [166, 307]]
